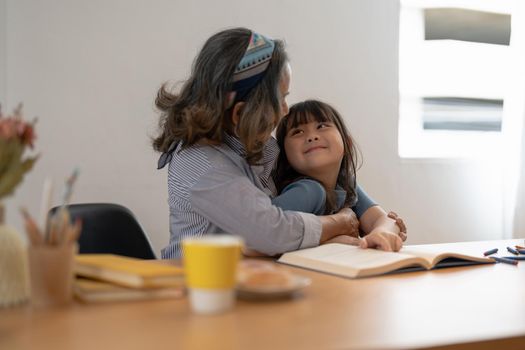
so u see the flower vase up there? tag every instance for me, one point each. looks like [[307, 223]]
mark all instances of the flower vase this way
[[14, 274]]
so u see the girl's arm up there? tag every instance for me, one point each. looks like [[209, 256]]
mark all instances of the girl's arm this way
[[381, 230], [309, 196]]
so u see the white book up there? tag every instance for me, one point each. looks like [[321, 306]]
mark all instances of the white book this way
[[353, 262]]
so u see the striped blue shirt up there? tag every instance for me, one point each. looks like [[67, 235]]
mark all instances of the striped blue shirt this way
[[212, 189]]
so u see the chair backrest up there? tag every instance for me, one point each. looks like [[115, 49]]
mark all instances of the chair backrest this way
[[111, 229]]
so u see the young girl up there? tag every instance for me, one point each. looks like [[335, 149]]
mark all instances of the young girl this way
[[316, 173], [215, 134]]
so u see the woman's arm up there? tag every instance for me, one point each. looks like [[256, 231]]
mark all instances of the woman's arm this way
[[231, 202], [336, 228], [344, 221]]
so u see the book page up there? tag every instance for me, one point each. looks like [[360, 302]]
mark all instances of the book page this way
[[363, 258], [350, 261], [434, 253]]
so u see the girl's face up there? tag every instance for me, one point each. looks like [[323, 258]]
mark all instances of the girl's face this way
[[314, 148]]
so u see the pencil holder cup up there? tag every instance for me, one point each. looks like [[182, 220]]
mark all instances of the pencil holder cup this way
[[51, 270]]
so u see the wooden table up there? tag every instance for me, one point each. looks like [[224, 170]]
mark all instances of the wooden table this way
[[475, 307]]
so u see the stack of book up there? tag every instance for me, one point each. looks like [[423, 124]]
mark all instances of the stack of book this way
[[107, 277]]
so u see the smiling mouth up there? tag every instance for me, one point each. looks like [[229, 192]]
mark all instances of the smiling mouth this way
[[314, 149]]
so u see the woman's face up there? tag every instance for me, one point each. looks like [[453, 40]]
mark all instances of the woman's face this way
[[314, 148], [284, 89]]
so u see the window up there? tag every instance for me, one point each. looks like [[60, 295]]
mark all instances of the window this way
[[454, 68], [459, 113]]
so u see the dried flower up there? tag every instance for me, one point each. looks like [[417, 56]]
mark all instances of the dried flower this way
[[15, 136]]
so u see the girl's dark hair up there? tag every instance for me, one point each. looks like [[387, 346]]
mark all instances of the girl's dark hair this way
[[306, 112], [200, 111]]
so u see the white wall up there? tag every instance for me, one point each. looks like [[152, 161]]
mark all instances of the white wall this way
[[3, 54], [90, 71]]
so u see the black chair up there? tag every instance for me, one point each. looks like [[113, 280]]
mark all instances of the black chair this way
[[110, 229]]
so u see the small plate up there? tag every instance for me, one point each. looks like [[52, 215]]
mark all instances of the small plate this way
[[260, 292]]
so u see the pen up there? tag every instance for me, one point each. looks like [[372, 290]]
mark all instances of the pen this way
[[521, 251], [513, 257], [513, 251], [492, 251], [505, 260]]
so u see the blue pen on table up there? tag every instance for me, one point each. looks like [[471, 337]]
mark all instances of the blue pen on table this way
[[515, 257], [505, 260], [521, 251], [513, 251], [492, 251]]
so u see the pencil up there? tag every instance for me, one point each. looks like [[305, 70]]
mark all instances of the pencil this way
[[32, 231], [62, 212], [492, 251], [45, 204], [505, 260], [68, 191], [53, 230], [74, 233]]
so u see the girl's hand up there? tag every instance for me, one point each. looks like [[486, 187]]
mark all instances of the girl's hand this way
[[383, 240], [399, 222]]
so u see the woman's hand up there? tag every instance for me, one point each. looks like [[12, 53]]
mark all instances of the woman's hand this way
[[383, 240], [344, 239], [349, 221], [342, 223], [252, 253], [399, 222], [353, 222]]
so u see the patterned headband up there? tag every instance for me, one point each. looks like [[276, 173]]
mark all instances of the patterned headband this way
[[253, 65]]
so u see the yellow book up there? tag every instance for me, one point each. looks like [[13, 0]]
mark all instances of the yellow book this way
[[92, 291], [353, 262], [128, 272]]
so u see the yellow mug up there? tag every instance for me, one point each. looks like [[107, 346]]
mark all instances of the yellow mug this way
[[210, 266]]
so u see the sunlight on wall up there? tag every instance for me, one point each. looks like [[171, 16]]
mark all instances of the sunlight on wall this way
[[453, 68]]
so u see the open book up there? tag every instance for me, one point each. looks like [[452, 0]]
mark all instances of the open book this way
[[350, 261]]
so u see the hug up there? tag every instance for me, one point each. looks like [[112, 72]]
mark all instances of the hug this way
[[228, 174]]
